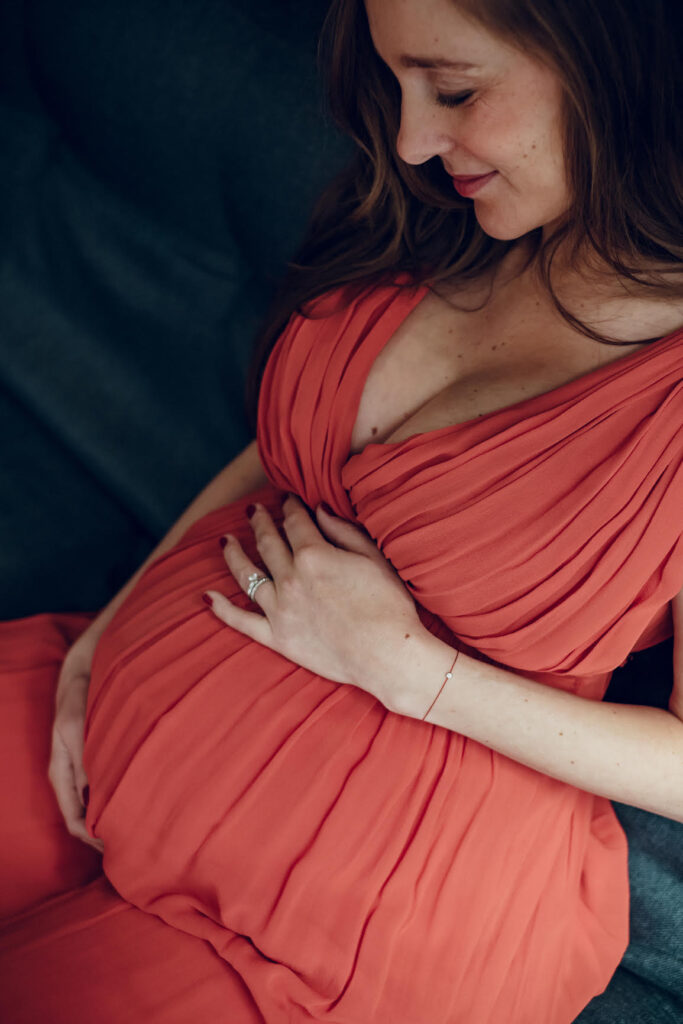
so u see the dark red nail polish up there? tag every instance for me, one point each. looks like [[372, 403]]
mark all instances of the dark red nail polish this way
[[86, 795], [222, 542], [208, 599], [250, 510]]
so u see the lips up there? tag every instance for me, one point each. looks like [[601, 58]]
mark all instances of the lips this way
[[470, 185], [465, 178]]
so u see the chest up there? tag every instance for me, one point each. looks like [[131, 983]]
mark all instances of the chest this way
[[445, 366]]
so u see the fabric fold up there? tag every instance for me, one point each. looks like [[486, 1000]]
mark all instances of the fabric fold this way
[[345, 863]]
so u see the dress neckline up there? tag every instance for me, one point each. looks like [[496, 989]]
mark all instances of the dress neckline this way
[[413, 300]]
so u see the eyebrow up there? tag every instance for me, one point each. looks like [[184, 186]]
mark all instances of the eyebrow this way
[[407, 61]]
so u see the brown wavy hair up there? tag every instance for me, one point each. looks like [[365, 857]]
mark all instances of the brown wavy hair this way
[[621, 118]]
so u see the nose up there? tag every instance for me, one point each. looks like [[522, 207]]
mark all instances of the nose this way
[[424, 131]]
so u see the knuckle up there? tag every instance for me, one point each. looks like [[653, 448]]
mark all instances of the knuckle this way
[[298, 514], [265, 541], [309, 558], [288, 586]]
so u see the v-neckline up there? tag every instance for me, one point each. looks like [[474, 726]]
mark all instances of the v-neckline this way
[[577, 382]]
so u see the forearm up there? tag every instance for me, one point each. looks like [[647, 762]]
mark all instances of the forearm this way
[[239, 478], [629, 753]]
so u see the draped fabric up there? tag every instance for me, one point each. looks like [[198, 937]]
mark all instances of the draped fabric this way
[[338, 862]]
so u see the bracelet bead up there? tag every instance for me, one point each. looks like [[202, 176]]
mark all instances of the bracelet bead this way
[[449, 675]]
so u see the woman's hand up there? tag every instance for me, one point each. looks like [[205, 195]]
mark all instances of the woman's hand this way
[[66, 772], [339, 609]]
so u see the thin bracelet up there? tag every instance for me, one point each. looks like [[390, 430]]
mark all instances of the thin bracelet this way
[[448, 676]]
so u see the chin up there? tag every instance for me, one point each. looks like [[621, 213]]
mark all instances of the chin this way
[[507, 227], [504, 232]]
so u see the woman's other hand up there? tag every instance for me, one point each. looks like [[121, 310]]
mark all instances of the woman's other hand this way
[[336, 607], [66, 772]]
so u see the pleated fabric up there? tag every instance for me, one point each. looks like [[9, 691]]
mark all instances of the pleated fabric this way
[[335, 861]]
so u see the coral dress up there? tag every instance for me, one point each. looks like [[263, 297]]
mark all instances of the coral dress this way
[[280, 848]]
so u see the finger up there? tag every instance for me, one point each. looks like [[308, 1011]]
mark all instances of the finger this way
[[242, 567], [87, 837], [79, 830], [347, 535], [71, 734], [300, 529], [250, 623], [270, 544], [62, 780]]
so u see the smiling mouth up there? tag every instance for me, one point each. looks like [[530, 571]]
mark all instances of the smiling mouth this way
[[469, 186], [469, 177]]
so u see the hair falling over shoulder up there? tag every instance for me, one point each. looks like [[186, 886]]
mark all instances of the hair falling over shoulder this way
[[620, 68]]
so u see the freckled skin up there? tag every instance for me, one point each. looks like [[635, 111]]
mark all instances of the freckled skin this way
[[510, 125], [508, 121]]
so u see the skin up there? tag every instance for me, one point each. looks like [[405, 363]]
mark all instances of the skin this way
[[511, 124], [333, 604]]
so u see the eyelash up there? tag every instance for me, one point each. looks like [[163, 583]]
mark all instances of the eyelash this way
[[445, 100]]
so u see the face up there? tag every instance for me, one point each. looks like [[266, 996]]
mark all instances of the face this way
[[506, 116]]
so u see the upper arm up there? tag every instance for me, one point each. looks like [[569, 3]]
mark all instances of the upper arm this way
[[246, 472], [676, 701]]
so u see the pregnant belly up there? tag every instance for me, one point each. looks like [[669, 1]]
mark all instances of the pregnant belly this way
[[238, 794]]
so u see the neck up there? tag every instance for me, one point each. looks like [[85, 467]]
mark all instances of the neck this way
[[590, 289]]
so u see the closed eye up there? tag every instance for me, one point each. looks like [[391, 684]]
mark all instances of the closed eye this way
[[446, 100]]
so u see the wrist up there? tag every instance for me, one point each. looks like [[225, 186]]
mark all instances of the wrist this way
[[423, 671]]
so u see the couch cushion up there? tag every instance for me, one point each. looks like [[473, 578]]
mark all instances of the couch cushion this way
[[209, 116], [145, 150]]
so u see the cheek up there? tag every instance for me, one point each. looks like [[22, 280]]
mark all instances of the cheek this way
[[496, 137], [519, 145], [540, 142]]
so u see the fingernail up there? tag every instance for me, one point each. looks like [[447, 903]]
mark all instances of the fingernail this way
[[222, 542], [208, 599], [86, 795], [326, 508], [250, 510]]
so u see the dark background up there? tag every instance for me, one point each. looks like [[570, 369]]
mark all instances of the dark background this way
[[158, 162]]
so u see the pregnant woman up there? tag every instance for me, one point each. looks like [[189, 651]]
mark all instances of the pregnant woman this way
[[370, 781]]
